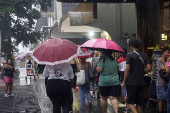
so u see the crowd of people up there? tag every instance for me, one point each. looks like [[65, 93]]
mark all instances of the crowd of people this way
[[113, 71]]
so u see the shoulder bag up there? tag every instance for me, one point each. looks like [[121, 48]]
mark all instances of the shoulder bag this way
[[80, 77]]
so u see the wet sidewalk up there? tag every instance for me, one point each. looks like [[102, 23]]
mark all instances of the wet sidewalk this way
[[30, 97]]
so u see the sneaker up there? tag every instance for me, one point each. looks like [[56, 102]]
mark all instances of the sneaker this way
[[11, 94], [5, 95]]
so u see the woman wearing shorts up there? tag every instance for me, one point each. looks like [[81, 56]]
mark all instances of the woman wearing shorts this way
[[8, 77], [108, 81]]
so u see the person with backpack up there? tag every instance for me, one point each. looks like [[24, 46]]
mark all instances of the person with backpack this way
[[108, 81], [136, 62], [161, 84]]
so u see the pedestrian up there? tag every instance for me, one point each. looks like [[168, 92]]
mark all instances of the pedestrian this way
[[117, 55], [36, 69], [29, 64], [8, 77], [136, 62], [59, 86], [108, 81], [95, 60], [84, 90], [122, 66], [168, 91], [161, 84]]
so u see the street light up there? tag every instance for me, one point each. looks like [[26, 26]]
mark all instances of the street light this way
[[91, 34]]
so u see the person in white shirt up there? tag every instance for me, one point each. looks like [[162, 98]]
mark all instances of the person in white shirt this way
[[58, 87]]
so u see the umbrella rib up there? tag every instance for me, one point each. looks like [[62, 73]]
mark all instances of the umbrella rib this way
[[63, 52], [43, 52]]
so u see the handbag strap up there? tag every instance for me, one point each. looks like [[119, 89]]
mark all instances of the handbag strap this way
[[140, 57]]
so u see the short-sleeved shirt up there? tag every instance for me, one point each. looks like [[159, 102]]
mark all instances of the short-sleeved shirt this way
[[62, 71], [122, 63], [160, 64], [137, 67], [109, 75]]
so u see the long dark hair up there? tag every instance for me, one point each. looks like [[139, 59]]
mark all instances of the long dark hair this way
[[108, 53]]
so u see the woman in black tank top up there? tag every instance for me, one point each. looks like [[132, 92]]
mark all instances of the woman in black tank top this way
[[8, 77]]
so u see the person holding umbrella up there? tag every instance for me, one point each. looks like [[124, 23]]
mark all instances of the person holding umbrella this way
[[56, 53], [108, 81], [108, 69], [84, 90]]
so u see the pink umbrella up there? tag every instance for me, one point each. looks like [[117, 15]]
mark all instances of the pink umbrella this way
[[55, 51], [102, 44]]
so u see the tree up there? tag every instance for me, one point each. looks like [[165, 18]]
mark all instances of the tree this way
[[17, 22]]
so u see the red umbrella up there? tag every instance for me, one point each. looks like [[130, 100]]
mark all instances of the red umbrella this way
[[102, 44], [55, 51]]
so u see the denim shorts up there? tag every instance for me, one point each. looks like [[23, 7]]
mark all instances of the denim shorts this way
[[161, 92]]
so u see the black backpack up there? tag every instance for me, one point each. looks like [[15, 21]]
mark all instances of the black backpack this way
[[164, 76]]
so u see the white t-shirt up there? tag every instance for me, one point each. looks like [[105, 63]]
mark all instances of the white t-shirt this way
[[62, 71]]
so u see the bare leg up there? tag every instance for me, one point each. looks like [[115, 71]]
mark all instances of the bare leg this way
[[160, 105], [104, 104], [133, 108], [122, 99], [38, 75], [6, 87], [125, 98], [115, 103], [139, 109], [11, 87]]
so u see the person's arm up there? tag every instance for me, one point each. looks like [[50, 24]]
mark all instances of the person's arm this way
[[148, 68], [2, 71], [90, 66], [164, 69], [71, 76], [99, 68], [127, 70], [126, 74], [45, 72]]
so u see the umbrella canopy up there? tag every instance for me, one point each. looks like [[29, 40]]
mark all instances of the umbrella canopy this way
[[102, 44], [20, 57], [29, 53], [55, 51], [85, 53]]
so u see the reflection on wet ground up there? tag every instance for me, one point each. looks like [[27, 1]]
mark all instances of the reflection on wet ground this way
[[46, 105]]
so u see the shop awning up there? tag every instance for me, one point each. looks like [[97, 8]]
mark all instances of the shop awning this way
[[98, 1]]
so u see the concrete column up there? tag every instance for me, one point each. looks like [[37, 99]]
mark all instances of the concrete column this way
[[59, 10]]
